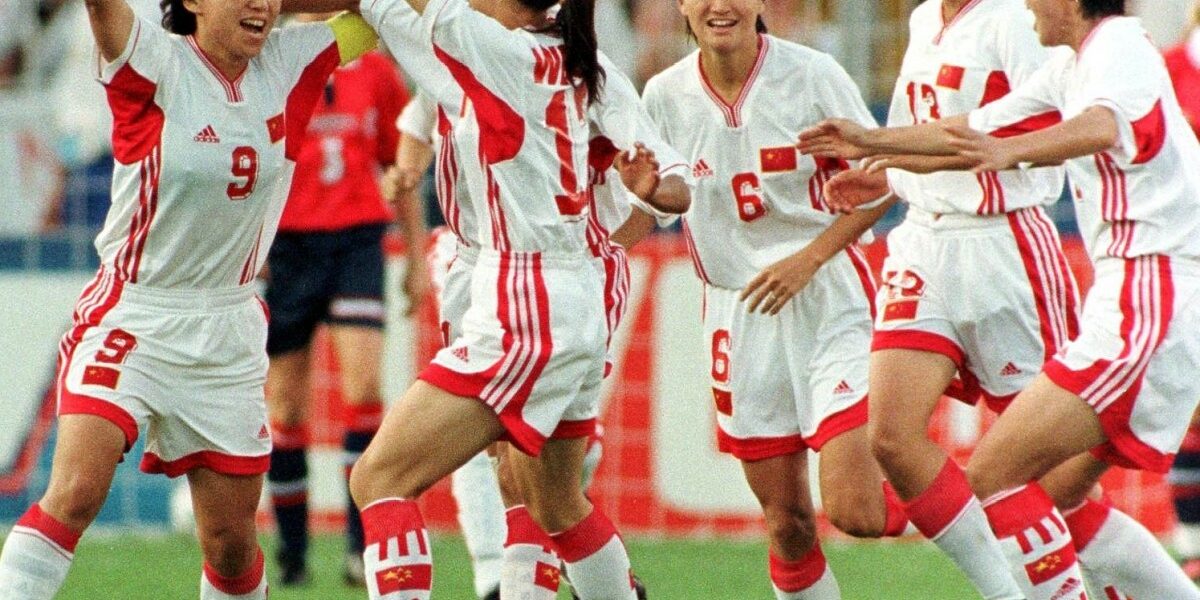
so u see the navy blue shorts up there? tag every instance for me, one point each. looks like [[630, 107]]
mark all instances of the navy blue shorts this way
[[333, 277]]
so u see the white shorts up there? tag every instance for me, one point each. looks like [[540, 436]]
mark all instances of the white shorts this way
[[452, 263], [532, 346], [795, 380], [189, 365], [994, 294], [612, 266], [1137, 359]]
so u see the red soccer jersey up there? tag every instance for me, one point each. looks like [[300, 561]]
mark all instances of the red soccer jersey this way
[[1185, 75], [351, 136]]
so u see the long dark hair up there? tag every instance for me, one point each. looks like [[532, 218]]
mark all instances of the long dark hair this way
[[576, 25], [1096, 9], [177, 18]]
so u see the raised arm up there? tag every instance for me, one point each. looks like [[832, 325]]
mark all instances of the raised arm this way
[[845, 139], [112, 23]]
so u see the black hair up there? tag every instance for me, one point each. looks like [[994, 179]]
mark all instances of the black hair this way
[[177, 18], [759, 25], [576, 25], [1098, 9]]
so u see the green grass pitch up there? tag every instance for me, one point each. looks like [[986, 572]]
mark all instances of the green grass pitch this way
[[167, 567]]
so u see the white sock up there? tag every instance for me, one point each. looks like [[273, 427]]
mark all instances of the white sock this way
[[948, 514], [1037, 543], [596, 561], [1122, 559], [808, 578], [398, 559], [530, 570], [481, 516], [36, 557], [251, 585]]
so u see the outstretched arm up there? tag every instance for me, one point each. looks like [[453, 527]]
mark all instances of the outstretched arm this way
[[1095, 130], [112, 22], [845, 139]]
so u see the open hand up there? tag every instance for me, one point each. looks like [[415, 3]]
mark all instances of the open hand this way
[[771, 289], [835, 138], [639, 171], [984, 152], [848, 190]]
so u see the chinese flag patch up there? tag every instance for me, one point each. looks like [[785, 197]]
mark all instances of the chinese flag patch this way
[[950, 76], [407, 577], [546, 576], [103, 376], [276, 128], [724, 401], [777, 159]]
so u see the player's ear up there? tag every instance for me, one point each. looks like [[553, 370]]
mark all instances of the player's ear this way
[[193, 6]]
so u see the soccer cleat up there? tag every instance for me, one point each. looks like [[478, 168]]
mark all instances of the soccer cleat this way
[[293, 572], [354, 574], [639, 588], [493, 595]]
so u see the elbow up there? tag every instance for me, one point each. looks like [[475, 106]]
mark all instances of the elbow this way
[[673, 196]]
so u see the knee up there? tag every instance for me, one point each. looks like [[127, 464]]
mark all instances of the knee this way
[[372, 480], [556, 510], [229, 547], [791, 527], [510, 489], [889, 443], [75, 500], [985, 475], [857, 515]]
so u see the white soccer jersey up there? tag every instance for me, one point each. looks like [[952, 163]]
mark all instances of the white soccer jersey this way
[[952, 68], [520, 102], [204, 163], [432, 123], [1143, 196], [618, 121], [757, 199]]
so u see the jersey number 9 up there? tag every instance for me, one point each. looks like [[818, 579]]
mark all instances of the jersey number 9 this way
[[245, 169]]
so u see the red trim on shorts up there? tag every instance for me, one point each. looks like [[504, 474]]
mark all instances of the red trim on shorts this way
[[242, 584], [75, 404], [1051, 282], [1111, 386], [226, 464], [759, 448], [924, 341], [866, 276], [54, 530], [997, 404], [574, 429], [847, 419], [525, 438]]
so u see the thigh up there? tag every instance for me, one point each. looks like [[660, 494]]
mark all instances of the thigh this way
[[224, 502], [781, 482], [906, 386], [87, 450], [549, 482]]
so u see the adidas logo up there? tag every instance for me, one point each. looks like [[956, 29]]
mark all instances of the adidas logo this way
[[1010, 370], [701, 169], [461, 353], [1069, 589], [263, 433], [208, 135], [843, 388]]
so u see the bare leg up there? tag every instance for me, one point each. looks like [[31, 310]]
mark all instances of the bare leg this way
[[225, 507]]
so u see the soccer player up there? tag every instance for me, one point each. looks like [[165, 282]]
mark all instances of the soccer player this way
[[1124, 133], [327, 265], [208, 115], [787, 294]]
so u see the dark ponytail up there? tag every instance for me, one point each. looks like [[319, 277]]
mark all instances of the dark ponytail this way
[[576, 25], [1097, 9], [176, 18]]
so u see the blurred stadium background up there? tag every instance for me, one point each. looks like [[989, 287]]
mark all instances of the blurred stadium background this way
[[691, 519]]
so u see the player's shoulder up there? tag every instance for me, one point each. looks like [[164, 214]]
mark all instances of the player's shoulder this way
[[791, 64], [1120, 41], [683, 72], [925, 14]]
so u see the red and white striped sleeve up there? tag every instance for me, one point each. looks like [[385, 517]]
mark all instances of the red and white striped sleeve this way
[[476, 47], [147, 52], [1033, 105]]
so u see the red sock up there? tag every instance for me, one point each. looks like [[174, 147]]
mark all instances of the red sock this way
[[1085, 520], [531, 568], [597, 562], [50, 528], [1036, 541], [793, 576], [936, 508], [398, 558], [241, 585], [365, 417], [897, 518]]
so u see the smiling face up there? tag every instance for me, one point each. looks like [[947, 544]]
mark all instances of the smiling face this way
[[241, 26], [1056, 19], [723, 25]]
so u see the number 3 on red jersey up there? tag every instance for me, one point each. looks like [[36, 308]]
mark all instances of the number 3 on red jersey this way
[[245, 172], [748, 195]]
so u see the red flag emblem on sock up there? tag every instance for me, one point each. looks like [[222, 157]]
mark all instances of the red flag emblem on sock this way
[[951, 77], [1051, 565], [407, 577], [546, 576], [777, 159]]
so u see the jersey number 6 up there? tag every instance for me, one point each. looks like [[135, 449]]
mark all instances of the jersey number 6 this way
[[746, 193], [245, 167]]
